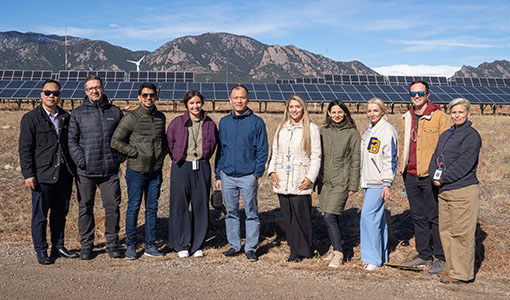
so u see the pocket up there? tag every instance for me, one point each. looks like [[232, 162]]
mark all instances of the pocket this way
[[300, 166], [430, 130]]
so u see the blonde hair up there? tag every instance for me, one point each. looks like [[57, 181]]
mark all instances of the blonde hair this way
[[380, 103], [460, 101], [305, 120]]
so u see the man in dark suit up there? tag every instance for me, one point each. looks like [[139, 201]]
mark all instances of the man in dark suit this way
[[47, 168]]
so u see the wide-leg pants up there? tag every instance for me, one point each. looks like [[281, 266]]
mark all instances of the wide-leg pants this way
[[458, 214], [297, 217], [373, 228], [188, 229]]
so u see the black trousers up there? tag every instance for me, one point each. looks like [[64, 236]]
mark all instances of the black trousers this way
[[422, 196], [110, 194], [53, 197], [334, 230], [188, 229], [297, 218]]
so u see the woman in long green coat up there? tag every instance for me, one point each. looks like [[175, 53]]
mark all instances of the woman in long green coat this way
[[340, 171]]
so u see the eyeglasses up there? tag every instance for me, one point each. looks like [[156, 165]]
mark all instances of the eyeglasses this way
[[146, 95], [48, 92], [90, 89], [419, 93]]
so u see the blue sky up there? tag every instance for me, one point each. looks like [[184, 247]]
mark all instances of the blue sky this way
[[392, 37]]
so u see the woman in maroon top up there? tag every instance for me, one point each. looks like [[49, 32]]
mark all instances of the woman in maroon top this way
[[192, 139]]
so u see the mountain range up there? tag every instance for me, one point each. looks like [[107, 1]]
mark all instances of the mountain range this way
[[212, 56]]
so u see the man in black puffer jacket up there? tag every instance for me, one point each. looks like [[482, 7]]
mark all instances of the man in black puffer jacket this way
[[90, 132]]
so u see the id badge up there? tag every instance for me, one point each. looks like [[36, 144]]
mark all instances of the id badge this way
[[195, 165], [437, 174], [288, 166]]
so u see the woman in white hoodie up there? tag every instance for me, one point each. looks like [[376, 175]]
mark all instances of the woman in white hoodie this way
[[378, 165], [294, 166]]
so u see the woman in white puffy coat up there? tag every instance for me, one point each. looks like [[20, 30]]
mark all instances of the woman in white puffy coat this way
[[294, 166]]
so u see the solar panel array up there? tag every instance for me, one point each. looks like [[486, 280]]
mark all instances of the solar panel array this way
[[350, 93], [81, 75], [25, 75], [480, 81], [162, 76], [366, 79]]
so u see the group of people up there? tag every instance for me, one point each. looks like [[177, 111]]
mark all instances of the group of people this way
[[438, 164]]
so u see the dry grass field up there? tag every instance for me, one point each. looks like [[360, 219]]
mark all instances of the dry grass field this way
[[493, 234]]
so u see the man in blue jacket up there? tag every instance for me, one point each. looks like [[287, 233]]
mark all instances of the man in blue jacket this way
[[90, 132], [240, 162]]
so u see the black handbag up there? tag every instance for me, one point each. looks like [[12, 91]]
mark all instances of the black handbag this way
[[217, 201]]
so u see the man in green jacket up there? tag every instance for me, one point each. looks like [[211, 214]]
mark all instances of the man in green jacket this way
[[141, 137]]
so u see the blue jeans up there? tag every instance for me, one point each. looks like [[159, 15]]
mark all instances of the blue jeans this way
[[373, 228], [137, 185], [231, 188]]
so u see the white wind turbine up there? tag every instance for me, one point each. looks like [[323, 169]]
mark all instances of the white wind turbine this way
[[137, 63]]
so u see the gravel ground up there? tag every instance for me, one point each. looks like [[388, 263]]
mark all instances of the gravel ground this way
[[218, 277]]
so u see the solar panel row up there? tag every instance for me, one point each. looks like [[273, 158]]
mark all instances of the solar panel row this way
[[481, 81], [366, 79], [119, 76], [162, 76], [19, 89], [81, 75], [24, 75]]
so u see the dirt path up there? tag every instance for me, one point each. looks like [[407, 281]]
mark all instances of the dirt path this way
[[217, 277]]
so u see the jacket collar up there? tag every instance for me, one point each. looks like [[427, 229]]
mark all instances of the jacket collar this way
[[147, 111], [463, 126], [342, 125], [431, 107], [103, 102], [289, 126], [246, 113], [60, 111], [186, 116], [379, 124]]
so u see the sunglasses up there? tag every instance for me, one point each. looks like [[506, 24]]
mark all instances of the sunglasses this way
[[151, 95], [419, 93], [48, 92]]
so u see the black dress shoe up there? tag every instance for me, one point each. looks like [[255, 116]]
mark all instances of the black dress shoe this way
[[86, 254], [43, 259], [114, 252], [251, 256], [63, 252], [294, 258], [231, 252]]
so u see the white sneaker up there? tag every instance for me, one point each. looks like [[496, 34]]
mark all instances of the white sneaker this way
[[183, 253], [198, 253], [370, 267]]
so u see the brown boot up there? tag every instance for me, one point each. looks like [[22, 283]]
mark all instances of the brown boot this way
[[337, 259]]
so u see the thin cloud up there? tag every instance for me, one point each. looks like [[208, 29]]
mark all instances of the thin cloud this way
[[390, 24], [438, 44], [418, 70]]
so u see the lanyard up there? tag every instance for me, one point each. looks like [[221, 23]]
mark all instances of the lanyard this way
[[195, 136], [290, 141], [440, 159]]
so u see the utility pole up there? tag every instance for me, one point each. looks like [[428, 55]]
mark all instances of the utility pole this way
[[65, 49]]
